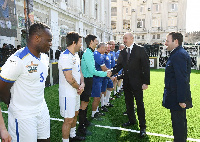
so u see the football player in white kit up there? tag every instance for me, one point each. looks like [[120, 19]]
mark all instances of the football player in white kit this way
[[22, 82], [71, 85]]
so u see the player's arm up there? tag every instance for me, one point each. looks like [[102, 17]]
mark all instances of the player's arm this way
[[3, 131], [82, 86], [91, 67], [10, 72], [70, 79], [82, 79], [5, 91], [104, 68]]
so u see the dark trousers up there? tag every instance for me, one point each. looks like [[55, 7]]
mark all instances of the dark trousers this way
[[179, 124], [129, 99]]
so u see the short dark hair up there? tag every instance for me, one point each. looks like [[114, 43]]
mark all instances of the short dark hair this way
[[89, 38], [37, 28], [72, 36], [178, 36]]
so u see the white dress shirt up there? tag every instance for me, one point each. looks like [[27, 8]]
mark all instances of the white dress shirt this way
[[131, 47]]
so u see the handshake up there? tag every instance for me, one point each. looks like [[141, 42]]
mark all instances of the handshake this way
[[109, 73]]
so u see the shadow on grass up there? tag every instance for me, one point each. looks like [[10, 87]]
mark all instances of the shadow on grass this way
[[114, 118]]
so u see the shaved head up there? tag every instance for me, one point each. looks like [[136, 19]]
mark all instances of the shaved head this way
[[128, 39], [129, 34]]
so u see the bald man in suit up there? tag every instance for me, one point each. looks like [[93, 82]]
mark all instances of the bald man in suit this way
[[135, 63]]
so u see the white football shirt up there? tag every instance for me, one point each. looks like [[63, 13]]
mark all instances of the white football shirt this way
[[28, 73], [68, 61]]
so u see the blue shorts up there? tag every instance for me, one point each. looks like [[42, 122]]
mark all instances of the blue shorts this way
[[96, 86], [110, 83], [107, 83], [104, 84]]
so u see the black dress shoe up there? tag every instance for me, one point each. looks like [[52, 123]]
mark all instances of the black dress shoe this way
[[97, 116], [117, 95], [100, 114], [128, 124], [125, 113], [109, 105], [84, 132], [76, 138], [88, 123], [111, 98], [142, 132], [104, 109]]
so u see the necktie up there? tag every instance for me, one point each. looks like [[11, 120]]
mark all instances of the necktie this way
[[128, 54]]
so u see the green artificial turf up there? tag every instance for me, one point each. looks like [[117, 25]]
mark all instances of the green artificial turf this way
[[157, 117]]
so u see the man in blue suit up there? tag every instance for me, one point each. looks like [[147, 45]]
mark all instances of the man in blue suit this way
[[177, 95]]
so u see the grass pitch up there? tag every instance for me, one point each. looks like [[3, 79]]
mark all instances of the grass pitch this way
[[157, 117]]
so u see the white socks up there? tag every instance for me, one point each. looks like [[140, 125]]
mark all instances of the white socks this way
[[93, 113], [73, 132], [108, 93], [102, 100], [118, 88], [65, 140], [97, 110]]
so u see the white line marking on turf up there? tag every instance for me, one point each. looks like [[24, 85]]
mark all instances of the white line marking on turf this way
[[128, 130]]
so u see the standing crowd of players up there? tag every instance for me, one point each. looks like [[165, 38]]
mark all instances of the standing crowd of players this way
[[23, 76], [22, 83], [78, 82]]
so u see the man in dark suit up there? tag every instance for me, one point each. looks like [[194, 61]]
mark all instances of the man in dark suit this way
[[135, 63], [177, 95]]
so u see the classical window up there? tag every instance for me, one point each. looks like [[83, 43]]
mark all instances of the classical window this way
[[141, 23], [113, 11], [156, 8], [113, 24], [83, 7], [96, 11], [172, 21], [126, 10], [158, 36], [142, 9], [174, 7], [142, 36], [126, 24]]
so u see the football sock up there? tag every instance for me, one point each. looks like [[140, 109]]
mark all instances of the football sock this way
[[73, 132]]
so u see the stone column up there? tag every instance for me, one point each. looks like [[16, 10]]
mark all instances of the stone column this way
[[53, 22]]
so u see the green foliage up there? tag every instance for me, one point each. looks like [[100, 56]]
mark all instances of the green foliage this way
[[158, 118]]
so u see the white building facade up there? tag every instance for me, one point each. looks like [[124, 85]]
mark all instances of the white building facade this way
[[82, 16], [149, 20]]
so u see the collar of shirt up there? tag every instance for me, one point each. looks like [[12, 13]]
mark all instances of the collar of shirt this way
[[91, 49], [131, 47], [174, 49]]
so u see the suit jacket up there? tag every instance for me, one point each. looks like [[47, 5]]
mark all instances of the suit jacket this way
[[136, 69], [177, 80]]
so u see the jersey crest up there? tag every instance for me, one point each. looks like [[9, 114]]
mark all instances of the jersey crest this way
[[32, 67]]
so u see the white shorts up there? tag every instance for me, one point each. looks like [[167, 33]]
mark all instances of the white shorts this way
[[29, 129], [68, 106]]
